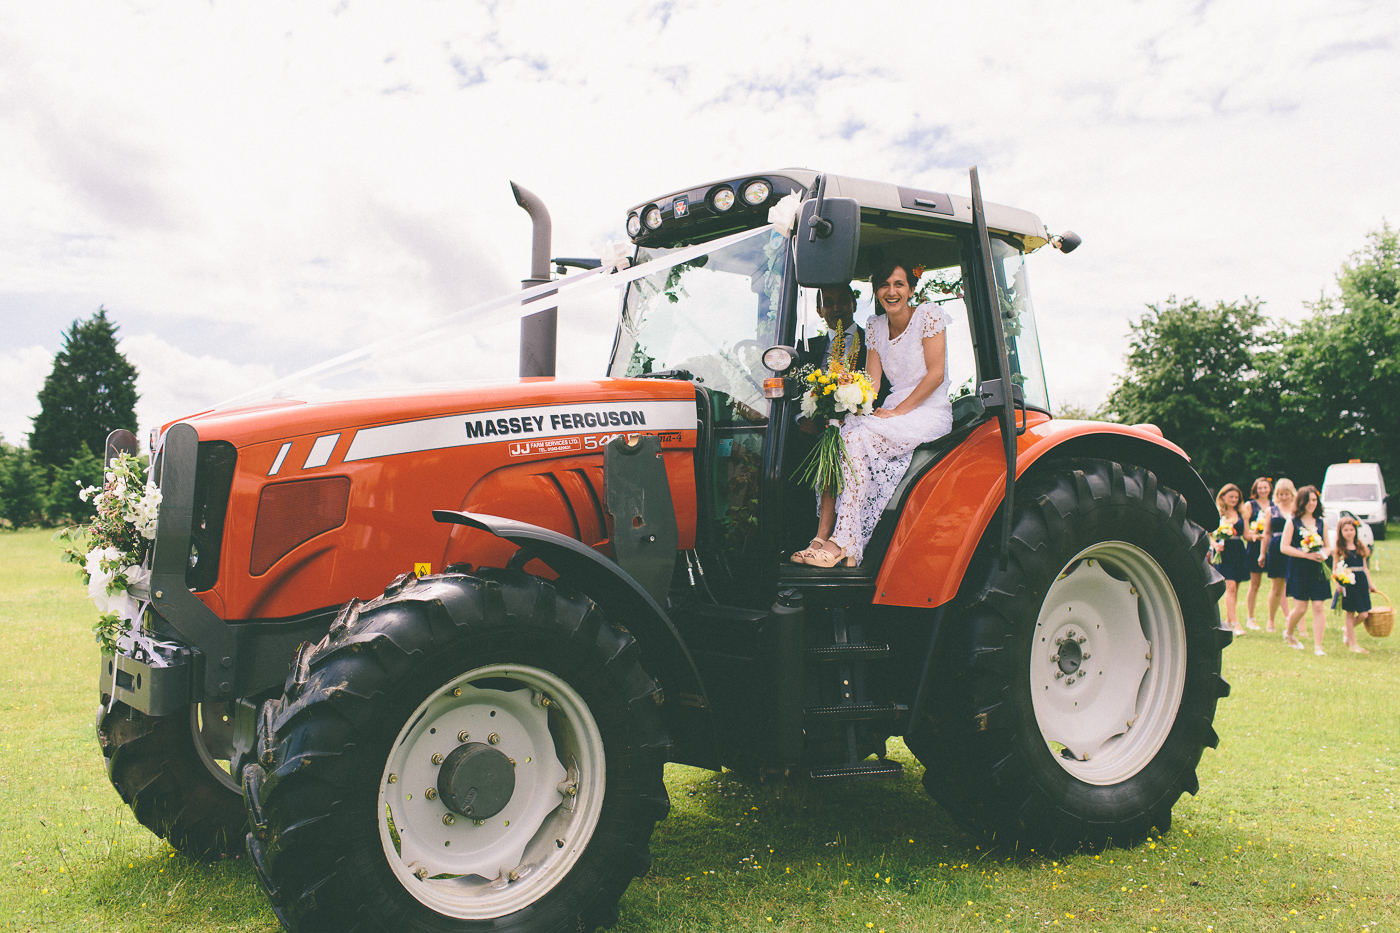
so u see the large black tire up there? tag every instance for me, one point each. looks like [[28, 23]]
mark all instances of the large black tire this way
[[166, 772], [341, 843], [1105, 562]]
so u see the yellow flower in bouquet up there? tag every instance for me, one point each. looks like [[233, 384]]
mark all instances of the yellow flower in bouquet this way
[[1343, 575], [832, 395], [1312, 542], [1261, 525]]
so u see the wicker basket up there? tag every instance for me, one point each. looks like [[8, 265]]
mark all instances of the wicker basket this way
[[1382, 618]]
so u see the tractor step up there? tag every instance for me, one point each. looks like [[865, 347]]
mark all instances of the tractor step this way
[[855, 712], [847, 652], [880, 770]]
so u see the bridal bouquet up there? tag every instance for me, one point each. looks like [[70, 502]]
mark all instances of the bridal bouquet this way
[[831, 395]]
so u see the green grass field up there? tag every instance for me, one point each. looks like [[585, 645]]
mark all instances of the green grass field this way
[[1296, 827]]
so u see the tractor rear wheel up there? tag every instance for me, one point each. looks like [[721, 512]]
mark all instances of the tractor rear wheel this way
[[1084, 684], [468, 752], [173, 772]]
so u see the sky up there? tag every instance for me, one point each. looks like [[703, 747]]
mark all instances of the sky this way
[[253, 187]]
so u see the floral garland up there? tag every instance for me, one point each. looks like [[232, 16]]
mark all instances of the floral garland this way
[[112, 550]]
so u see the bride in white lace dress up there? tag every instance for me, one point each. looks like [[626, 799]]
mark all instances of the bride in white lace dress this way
[[910, 346]]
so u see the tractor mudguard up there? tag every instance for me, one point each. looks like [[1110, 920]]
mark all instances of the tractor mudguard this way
[[950, 506], [624, 600]]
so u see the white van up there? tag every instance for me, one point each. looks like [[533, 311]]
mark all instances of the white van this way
[[1357, 488]]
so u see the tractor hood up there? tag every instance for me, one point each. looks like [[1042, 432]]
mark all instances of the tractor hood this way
[[306, 504]]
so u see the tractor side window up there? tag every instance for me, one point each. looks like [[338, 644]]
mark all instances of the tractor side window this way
[[1018, 323], [712, 317]]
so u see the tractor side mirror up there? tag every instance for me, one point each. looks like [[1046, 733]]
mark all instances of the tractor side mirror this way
[[825, 242]]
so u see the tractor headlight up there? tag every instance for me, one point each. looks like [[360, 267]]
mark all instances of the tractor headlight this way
[[756, 192], [722, 199], [634, 224], [779, 358], [652, 217]]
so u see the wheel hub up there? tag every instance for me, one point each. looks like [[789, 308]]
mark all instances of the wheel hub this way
[[476, 781], [1070, 655]]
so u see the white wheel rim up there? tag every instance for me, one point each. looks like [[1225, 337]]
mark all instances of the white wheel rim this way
[[1108, 663], [480, 869], [213, 740]]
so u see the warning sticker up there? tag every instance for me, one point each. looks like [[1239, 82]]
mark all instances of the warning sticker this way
[[422, 569], [546, 445]]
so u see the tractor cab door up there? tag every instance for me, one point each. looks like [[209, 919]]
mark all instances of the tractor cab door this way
[[709, 320]]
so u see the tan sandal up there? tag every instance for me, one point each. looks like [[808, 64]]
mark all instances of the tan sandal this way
[[826, 559], [800, 557]]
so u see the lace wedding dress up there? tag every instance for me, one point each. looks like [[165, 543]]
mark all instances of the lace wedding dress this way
[[878, 450]]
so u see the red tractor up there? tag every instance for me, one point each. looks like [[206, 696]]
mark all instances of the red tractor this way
[[428, 653]]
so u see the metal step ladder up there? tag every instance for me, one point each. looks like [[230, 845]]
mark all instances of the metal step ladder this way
[[848, 663]]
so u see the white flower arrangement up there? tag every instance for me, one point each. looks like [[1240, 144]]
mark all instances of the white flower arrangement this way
[[112, 550]]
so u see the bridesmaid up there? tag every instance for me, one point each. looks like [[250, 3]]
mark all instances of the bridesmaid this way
[[1307, 577], [1275, 563], [1234, 565], [1352, 552], [1257, 509]]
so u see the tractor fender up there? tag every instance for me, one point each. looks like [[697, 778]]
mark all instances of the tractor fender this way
[[949, 508], [686, 709]]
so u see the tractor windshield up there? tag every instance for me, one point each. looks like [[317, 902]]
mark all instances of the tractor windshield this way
[[711, 317]]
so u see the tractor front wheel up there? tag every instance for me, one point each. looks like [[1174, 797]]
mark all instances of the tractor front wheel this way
[[469, 752], [173, 772], [1087, 672]]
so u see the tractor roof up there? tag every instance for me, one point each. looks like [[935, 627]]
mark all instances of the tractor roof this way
[[698, 213]]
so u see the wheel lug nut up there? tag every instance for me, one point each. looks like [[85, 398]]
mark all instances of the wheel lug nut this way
[[448, 819], [1054, 659], [1081, 639], [462, 736], [437, 759], [421, 874], [456, 691], [513, 875], [430, 793], [393, 779], [494, 739], [478, 822], [1059, 675], [1087, 655]]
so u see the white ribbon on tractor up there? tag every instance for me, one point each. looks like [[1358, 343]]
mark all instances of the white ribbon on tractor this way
[[513, 305]]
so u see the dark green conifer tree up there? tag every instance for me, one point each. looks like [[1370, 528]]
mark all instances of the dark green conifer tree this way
[[91, 392]]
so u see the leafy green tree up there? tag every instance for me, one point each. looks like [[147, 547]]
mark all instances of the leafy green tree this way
[[21, 487], [91, 392], [64, 504], [1343, 362], [1191, 373]]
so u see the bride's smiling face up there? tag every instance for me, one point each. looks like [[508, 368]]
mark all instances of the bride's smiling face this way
[[895, 291]]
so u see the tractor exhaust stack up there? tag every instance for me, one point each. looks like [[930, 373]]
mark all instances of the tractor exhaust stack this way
[[538, 331]]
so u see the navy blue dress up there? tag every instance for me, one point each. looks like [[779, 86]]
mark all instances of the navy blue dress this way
[[1308, 580], [1251, 549], [1234, 562], [1275, 561], [1357, 597]]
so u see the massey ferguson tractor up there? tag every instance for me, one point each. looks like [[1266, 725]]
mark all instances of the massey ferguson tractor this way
[[427, 654]]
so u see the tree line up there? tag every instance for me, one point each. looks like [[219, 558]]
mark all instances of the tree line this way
[[1247, 396], [90, 393]]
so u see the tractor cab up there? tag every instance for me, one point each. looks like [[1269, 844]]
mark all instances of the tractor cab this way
[[710, 319]]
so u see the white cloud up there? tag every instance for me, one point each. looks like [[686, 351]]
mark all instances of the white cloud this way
[[22, 373], [174, 383], [300, 180]]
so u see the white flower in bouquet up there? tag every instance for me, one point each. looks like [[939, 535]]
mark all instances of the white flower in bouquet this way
[[850, 397]]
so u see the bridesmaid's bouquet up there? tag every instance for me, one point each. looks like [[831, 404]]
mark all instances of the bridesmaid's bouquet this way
[[831, 395], [1342, 575], [1225, 530], [1261, 525], [1311, 542]]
